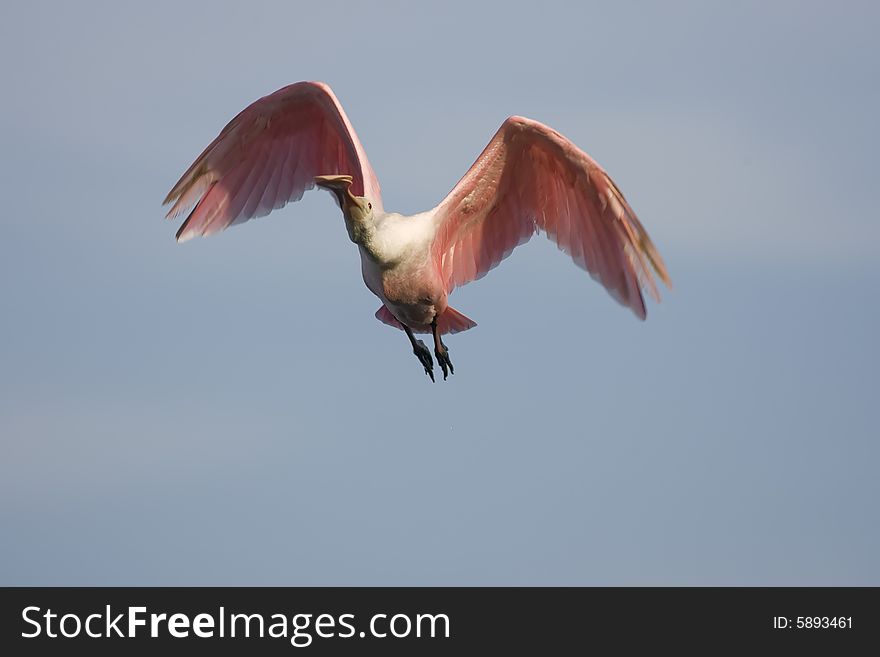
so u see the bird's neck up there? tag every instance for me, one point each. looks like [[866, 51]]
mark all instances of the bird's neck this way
[[361, 232]]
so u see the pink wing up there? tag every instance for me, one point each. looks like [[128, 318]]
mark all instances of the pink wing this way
[[528, 178], [268, 155]]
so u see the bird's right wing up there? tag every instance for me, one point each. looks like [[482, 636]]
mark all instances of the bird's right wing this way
[[529, 178], [269, 155]]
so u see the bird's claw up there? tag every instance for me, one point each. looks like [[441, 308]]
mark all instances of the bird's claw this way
[[444, 362], [424, 356]]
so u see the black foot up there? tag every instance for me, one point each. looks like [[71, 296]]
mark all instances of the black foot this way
[[443, 361], [424, 356]]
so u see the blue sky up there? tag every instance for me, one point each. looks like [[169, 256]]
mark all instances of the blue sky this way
[[228, 411]]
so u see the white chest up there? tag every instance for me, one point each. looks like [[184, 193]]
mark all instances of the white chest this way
[[396, 245], [396, 240]]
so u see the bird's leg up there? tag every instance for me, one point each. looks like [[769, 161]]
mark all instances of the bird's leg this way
[[421, 351], [441, 351]]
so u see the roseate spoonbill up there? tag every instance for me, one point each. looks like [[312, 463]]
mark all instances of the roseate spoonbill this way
[[528, 178]]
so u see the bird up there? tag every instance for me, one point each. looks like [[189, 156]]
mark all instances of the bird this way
[[528, 179]]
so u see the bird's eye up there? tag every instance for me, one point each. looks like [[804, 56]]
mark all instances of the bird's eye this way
[[369, 206]]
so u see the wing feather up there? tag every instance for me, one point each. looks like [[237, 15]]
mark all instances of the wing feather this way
[[270, 192], [530, 178], [269, 155]]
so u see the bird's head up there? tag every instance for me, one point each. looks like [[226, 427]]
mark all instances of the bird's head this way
[[357, 209]]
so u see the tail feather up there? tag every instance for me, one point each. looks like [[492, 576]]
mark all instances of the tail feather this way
[[451, 321]]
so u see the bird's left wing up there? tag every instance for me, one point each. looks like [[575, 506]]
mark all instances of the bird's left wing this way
[[269, 155], [531, 178]]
